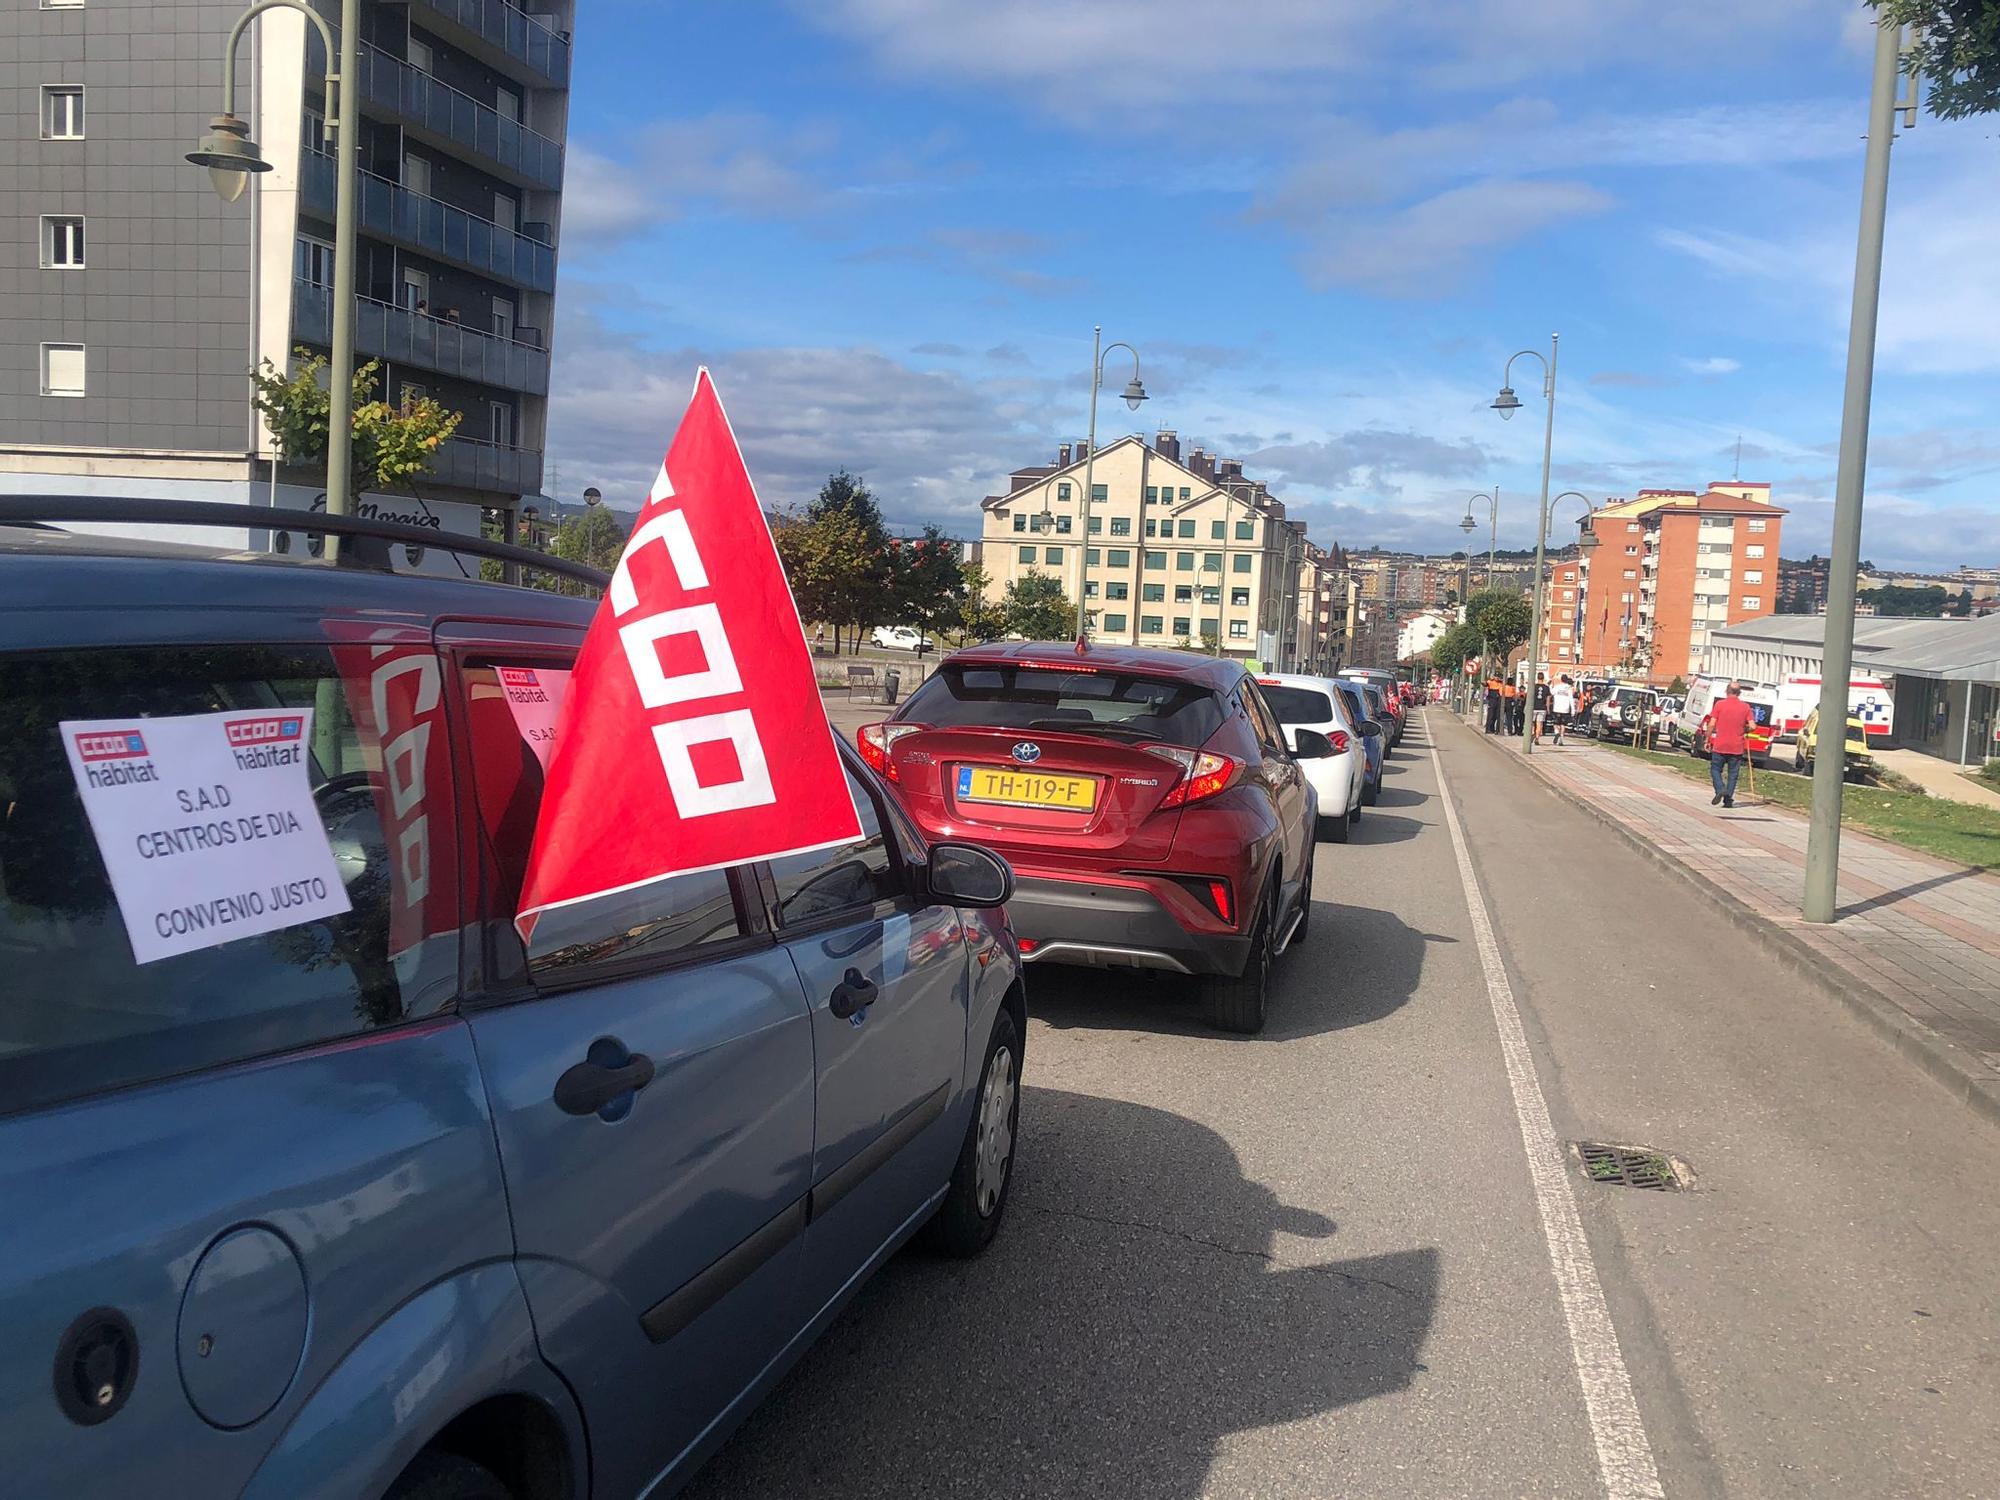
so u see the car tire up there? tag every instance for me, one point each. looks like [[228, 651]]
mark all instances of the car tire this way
[[446, 1476], [1354, 812], [1330, 830], [1238, 1002], [1370, 791], [1306, 895], [969, 1217]]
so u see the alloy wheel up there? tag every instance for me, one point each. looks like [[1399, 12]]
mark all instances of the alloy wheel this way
[[996, 1131]]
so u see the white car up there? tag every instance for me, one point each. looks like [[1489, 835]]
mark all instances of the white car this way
[[899, 638], [1314, 705]]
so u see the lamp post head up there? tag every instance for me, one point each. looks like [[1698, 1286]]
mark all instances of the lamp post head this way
[[1467, 524], [1134, 393], [530, 511], [593, 496], [1587, 538], [1506, 403], [230, 156]]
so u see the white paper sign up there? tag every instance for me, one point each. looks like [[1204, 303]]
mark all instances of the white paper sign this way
[[535, 696], [207, 825]]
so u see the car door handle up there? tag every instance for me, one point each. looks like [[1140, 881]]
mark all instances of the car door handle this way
[[607, 1072], [855, 992]]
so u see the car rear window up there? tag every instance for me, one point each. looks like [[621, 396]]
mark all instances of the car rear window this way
[[1159, 708], [1297, 705]]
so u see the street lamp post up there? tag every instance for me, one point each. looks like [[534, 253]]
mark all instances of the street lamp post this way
[[231, 156], [1492, 541], [1134, 394], [1507, 403]]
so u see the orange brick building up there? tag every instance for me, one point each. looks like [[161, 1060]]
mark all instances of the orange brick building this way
[[1669, 567], [1561, 644]]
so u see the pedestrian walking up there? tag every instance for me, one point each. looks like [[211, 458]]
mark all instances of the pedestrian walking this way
[[1726, 729], [1541, 704], [1562, 706]]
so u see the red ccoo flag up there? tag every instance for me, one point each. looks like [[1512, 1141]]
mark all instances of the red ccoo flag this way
[[692, 734]]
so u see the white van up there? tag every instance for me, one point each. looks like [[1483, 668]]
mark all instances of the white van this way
[[1868, 700], [1685, 729]]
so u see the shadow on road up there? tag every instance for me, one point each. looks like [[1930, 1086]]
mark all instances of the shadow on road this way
[[1144, 1302]]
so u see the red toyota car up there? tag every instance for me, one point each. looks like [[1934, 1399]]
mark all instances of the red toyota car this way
[[1146, 799]]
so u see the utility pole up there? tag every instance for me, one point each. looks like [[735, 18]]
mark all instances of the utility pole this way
[[1822, 885]]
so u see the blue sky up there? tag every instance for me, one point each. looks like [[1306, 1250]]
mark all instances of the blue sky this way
[[889, 225]]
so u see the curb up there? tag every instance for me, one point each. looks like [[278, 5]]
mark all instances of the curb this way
[[1916, 1041]]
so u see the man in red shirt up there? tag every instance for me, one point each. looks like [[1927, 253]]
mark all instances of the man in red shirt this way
[[1729, 723]]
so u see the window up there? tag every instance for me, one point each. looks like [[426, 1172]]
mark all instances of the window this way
[[500, 423], [1114, 622], [1118, 591], [1090, 589], [418, 55], [1165, 709], [1062, 490], [1262, 720], [62, 112], [1156, 559], [1563, 633], [1217, 530], [1211, 562], [1211, 596], [1090, 557], [68, 955], [1099, 492], [1240, 563], [62, 369], [1187, 528], [1184, 562], [1052, 555], [1035, 523], [62, 4], [1754, 549], [1151, 625], [1239, 597], [1184, 492], [1096, 525], [1152, 494], [312, 261], [1152, 528], [1027, 554], [1238, 629], [1210, 626], [1063, 525], [1183, 593], [1183, 626], [1152, 593], [848, 877], [1630, 574], [62, 242], [1750, 601], [1631, 551], [1756, 524], [1753, 575], [1121, 525], [1020, 521], [1120, 557], [1246, 531], [1633, 527]]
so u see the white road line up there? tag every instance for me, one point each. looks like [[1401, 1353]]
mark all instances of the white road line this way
[[1624, 1457]]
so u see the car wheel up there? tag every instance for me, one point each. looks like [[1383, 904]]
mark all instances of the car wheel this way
[[1354, 812], [1331, 830], [446, 1476], [967, 1220], [1306, 895], [1369, 792], [1237, 1002]]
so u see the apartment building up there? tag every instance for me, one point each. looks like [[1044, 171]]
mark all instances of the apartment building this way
[[1670, 567], [1419, 632], [1180, 551], [142, 301], [1561, 646], [1802, 584]]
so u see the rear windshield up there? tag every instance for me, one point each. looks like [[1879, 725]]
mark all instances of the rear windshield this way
[[1124, 704], [1297, 705]]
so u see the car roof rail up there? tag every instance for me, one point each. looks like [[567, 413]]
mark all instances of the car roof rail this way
[[372, 538]]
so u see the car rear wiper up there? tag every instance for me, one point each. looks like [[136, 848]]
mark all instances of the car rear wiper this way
[[1091, 726]]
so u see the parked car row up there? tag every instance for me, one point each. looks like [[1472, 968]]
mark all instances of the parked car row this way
[[391, 1202]]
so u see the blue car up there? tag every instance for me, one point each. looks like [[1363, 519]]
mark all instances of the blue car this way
[[1361, 706], [388, 1202]]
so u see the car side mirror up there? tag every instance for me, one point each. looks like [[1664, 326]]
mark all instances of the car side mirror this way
[[967, 875], [1371, 729], [1310, 744]]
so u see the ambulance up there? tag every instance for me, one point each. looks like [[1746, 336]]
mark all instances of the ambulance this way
[[1868, 700]]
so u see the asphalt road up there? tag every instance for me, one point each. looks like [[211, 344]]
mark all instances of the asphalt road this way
[[1312, 1263]]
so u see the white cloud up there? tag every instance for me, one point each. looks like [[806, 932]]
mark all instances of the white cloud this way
[[1714, 364]]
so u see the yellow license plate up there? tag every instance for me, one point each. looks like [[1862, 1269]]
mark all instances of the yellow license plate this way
[[1026, 788]]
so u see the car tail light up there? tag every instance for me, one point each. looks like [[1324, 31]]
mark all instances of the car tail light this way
[[874, 740], [1338, 739], [1203, 773], [1212, 891]]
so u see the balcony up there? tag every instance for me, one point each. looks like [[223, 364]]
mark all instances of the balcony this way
[[393, 212], [383, 330], [475, 464], [440, 115], [501, 35]]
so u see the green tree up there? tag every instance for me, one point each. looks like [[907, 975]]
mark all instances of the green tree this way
[[846, 498], [594, 539], [1962, 606], [1678, 686], [927, 582], [1957, 50], [1452, 649], [1927, 602], [1035, 607], [978, 618], [1502, 618], [829, 565], [391, 445]]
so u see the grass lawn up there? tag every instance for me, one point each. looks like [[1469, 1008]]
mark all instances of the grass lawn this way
[[1951, 830]]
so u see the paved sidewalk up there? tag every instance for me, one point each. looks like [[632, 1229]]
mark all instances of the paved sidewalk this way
[[1915, 947]]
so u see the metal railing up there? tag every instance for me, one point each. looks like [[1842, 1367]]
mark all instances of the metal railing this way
[[477, 464], [384, 330], [506, 29], [438, 111], [393, 212]]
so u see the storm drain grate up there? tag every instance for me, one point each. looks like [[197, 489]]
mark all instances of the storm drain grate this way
[[1631, 1166]]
